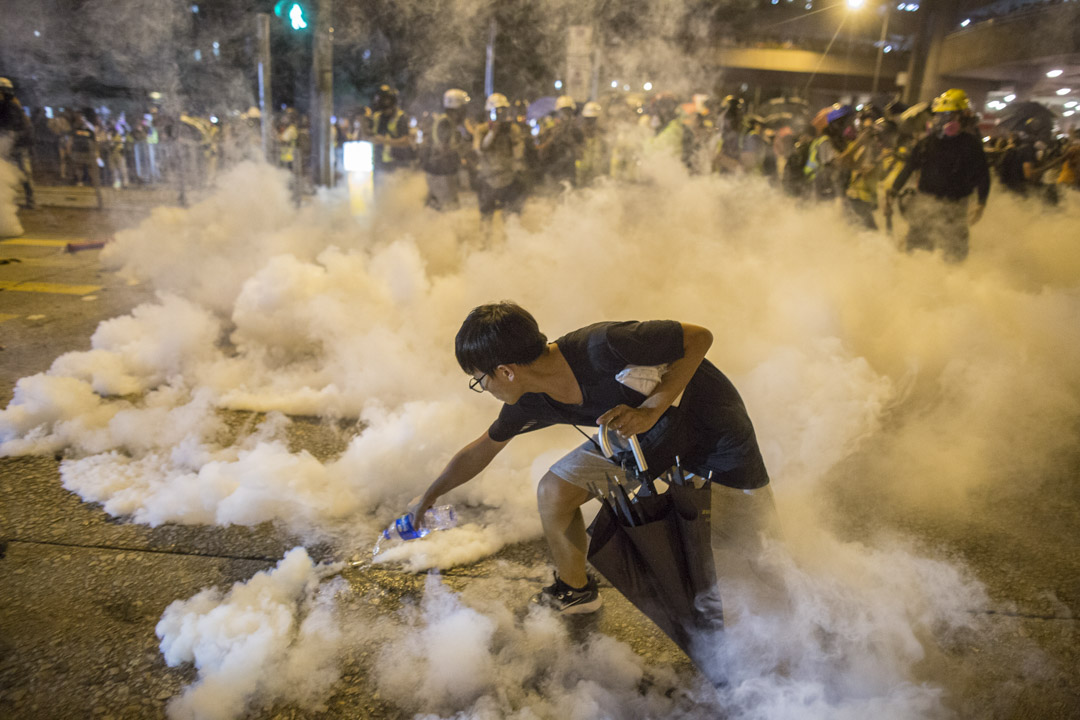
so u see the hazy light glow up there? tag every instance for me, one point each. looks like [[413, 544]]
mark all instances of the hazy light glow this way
[[358, 156], [296, 17], [1069, 113], [1064, 91], [558, 84], [854, 4], [1071, 104], [1056, 72], [647, 86], [614, 83], [1010, 97], [967, 21]]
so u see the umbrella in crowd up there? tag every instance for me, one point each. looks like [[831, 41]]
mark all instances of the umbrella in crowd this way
[[655, 549], [794, 105], [1036, 119], [821, 118], [778, 120], [541, 107], [913, 120]]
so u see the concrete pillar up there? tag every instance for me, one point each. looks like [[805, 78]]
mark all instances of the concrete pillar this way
[[322, 95], [266, 103], [924, 79]]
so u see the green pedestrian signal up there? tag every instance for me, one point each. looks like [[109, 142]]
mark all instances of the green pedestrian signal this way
[[293, 13]]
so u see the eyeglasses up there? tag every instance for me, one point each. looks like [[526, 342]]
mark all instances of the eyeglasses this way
[[476, 384]]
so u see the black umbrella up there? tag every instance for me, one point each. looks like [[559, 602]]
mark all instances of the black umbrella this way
[[1028, 116], [913, 120], [794, 105], [656, 551], [775, 121]]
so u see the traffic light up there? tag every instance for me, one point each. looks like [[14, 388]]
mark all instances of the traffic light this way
[[294, 13]]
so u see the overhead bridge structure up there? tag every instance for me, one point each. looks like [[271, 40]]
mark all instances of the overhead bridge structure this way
[[837, 70]]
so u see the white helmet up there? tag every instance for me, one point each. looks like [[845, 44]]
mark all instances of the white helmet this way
[[496, 101], [454, 99], [592, 109], [565, 101], [5, 84]]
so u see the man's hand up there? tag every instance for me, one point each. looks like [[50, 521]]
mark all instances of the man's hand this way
[[417, 508], [976, 213], [627, 421]]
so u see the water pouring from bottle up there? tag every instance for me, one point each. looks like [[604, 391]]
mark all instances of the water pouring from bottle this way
[[440, 517]]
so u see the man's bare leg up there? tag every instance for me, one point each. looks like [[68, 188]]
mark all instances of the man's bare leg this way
[[564, 528]]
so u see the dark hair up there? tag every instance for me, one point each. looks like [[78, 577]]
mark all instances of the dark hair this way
[[498, 334]]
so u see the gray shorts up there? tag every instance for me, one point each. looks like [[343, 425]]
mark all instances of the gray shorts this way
[[586, 464]]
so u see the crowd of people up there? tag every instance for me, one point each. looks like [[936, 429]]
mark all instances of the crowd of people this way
[[859, 156], [96, 148]]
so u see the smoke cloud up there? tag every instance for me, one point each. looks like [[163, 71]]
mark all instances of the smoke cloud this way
[[894, 379], [9, 180], [273, 638]]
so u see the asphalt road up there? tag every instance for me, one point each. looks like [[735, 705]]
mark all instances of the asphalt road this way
[[80, 593]]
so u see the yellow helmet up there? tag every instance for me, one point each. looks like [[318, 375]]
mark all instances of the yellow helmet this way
[[953, 100]]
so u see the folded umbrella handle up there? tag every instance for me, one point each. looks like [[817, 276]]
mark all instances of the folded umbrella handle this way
[[635, 447]]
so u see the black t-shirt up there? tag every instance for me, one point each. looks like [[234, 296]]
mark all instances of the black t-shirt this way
[[951, 167], [715, 434]]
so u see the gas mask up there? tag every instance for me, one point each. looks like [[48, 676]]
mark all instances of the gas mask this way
[[949, 126]]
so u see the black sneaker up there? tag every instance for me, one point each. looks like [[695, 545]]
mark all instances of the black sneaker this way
[[572, 601]]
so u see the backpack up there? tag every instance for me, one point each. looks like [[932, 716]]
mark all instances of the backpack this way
[[82, 140], [795, 167]]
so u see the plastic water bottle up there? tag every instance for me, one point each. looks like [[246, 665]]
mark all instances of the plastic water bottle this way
[[440, 517]]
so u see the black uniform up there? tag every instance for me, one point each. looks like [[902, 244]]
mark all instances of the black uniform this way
[[951, 168]]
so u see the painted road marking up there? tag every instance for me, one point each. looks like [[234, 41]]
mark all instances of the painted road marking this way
[[43, 287], [4, 317], [40, 242]]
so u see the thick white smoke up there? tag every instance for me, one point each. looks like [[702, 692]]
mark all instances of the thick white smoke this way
[[274, 638], [896, 377], [9, 180]]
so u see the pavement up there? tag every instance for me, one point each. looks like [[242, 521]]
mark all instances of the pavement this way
[[81, 593], [112, 199]]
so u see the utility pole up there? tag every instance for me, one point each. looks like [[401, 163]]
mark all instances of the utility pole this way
[[266, 104], [489, 68], [322, 94]]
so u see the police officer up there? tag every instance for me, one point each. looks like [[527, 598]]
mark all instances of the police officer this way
[[951, 166], [443, 150], [823, 169], [595, 157], [672, 136], [16, 125], [390, 133], [560, 144], [728, 157], [500, 145]]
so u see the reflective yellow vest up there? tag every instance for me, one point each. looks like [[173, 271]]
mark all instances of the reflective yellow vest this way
[[391, 128]]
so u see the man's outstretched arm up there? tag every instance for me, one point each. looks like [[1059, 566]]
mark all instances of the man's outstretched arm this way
[[466, 464]]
